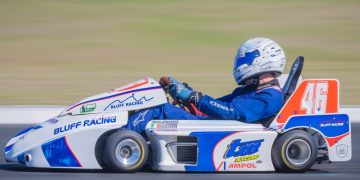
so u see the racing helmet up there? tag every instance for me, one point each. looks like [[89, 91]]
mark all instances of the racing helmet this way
[[257, 56]]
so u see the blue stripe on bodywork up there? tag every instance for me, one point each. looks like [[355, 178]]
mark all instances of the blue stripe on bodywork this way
[[330, 125], [28, 129], [8, 148], [58, 154], [21, 158], [206, 144]]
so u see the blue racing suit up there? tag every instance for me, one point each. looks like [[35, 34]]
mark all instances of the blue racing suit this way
[[249, 103]]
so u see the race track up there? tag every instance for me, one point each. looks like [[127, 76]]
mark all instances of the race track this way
[[348, 170]]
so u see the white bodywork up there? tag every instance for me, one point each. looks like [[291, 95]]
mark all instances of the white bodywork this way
[[161, 138], [81, 133], [82, 129], [138, 95], [213, 145]]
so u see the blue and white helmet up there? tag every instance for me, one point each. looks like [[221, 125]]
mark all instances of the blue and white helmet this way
[[257, 56]]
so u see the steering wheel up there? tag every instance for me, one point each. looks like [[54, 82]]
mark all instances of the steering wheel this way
[[189, 107]]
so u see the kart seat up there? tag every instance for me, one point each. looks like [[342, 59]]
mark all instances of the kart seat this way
[[290, 85], [292, 80]]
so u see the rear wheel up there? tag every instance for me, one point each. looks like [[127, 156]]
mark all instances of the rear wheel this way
[[125, 151], [294, 151]]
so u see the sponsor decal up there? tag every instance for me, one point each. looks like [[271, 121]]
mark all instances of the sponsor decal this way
[[247, 158], [225, 166], [164, 124], [127, 102], [342, 150], [215, 104], [140, 118], [68, 127], [52, 121], [239, 152], [332, 123], [87, 108], [266, 66], [242, 166], [235, 153], [85, 123], [238, 148]]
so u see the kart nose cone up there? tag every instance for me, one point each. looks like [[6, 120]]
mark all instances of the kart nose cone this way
[[10, 158]]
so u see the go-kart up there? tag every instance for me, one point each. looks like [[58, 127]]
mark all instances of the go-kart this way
[[91, 134]]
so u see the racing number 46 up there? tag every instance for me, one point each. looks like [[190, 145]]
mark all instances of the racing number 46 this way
[[314, 99]]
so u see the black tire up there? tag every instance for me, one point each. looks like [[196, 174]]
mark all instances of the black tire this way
[[294, 151], [125, 145]]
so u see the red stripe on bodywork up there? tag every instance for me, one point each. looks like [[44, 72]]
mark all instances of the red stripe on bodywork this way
[[67, 144], [132, 87], [334, 140]]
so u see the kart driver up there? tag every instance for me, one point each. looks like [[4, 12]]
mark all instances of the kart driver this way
[[257, 64]]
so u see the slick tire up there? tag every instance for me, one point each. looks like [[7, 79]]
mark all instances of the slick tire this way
[[294, 151], [124, 151]]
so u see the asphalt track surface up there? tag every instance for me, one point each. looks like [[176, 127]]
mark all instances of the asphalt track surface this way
[[346, 170]]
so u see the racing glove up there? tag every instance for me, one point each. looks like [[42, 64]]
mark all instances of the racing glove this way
[[183, 92]]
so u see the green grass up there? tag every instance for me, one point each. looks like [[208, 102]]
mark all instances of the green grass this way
[[57, 52]]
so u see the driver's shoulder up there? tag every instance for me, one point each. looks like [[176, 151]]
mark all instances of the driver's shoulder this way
[[272, 88], [271, 94], [241, 90]]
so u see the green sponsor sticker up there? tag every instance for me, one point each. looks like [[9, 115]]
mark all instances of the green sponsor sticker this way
[[87, 108], [152, 125]]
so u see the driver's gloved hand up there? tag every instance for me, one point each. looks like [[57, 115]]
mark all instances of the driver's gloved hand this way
[[183, 92]]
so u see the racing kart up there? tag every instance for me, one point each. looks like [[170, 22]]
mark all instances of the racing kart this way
[[91, 134]]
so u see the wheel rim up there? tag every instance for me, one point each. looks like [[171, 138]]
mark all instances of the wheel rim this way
[[298, 152], [128, 152]]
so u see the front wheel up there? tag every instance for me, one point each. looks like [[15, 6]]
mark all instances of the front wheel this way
[[125, 151], [294, 151]]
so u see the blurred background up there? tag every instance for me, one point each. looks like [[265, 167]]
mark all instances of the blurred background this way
[[56, 52]]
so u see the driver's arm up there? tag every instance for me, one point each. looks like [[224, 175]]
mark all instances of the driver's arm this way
[[246, 108], [229, 97], [226, 98]]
